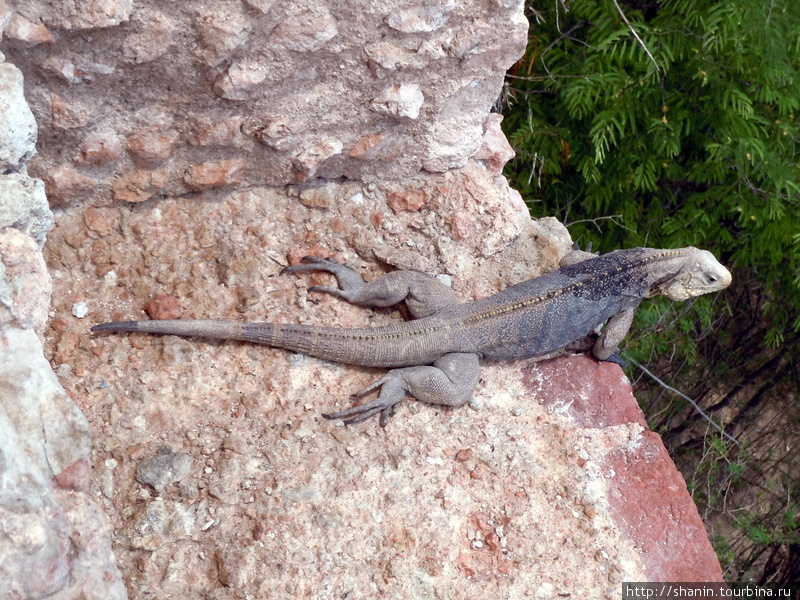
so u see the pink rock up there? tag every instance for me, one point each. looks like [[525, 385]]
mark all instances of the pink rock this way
[[651, 505], [20, 28], [495, 151], [163, 307], [407, 200], [150, 148], [592, 393], [220, 31], [138, 186], [214, 174], [64, 184], [75, 477], [100, 148], [377, 146], [648, 497]]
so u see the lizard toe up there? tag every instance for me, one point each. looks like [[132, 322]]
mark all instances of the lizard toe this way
[[392, 393]]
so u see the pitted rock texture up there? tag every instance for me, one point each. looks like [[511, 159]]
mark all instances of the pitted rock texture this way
[[646, 495], [18, 132], [54, 541], [269, 92]]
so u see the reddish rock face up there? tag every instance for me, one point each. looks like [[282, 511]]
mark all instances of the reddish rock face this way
[[592, 393], [650, 503], [647, 495]]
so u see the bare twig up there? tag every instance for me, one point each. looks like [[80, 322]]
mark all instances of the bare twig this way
[[612, 218], [636, 35], [685, 397]]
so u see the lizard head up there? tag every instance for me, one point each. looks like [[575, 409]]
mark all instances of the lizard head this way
[[700, 274]]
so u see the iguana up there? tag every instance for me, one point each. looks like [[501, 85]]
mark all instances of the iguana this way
[[435, 357]]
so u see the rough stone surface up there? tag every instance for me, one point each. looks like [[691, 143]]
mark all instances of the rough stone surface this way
[[24, 282], [646, 494], [23, 205], [54, 541], [312, 89], [648, 499], [18, 131], [60, 536]]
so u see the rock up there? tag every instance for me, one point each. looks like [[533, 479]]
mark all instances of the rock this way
[[163, 307], [150, 148], [283, 86], [99, 148], [64, 184], [91, 14], [93, 570], [139, 186], [220, 31], [591, 393], [54, 542], [24, 282], [647, 496], [458, 130], [419, 19], [402, 100], [307, 31], [163, 469], [23, 206], [650, 503], [160, 522], [42, 435], [156, 36], [214, 174], [20, 28], [495, 151], [18, 133], [308, 162]]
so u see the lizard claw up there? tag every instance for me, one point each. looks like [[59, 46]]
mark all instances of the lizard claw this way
[[393, 392], [312, 263]]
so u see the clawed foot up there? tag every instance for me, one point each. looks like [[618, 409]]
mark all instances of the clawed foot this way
[[393, 392], [312, 263], [350, 282]]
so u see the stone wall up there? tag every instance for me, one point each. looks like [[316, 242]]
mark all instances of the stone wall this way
[[270, 92], [188, 151]]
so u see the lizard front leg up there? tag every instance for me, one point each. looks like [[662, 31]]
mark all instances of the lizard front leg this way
[[613, 333], [449, 381], [424, 295]]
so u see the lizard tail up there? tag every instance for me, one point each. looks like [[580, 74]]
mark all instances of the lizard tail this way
[[207, 328], [380, 346]]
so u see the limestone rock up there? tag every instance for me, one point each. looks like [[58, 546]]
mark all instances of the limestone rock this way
[[18, 133], [24, 282], [23, 206], [51, 534], [330, 90]]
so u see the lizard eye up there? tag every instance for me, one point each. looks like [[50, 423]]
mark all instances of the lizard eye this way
[[711, 278]]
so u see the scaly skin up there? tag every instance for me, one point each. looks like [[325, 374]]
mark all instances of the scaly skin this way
[[435, 357]]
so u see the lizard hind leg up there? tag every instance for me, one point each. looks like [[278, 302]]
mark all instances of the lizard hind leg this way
[[449, 382], [424, 295]]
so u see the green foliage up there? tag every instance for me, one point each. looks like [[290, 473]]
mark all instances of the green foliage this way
[[700, 150], [687, 135]]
